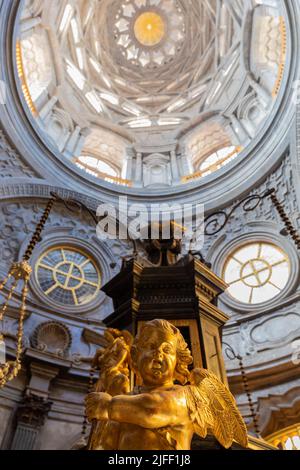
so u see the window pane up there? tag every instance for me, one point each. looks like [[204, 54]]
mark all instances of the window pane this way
[[68, 276], [256, 272]]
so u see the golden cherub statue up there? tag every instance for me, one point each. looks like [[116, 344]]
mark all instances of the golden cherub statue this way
[[169, 406]]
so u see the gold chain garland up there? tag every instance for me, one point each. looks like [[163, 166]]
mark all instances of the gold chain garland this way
[[90, 389], [286, 220], [19, 271], [249, 396]]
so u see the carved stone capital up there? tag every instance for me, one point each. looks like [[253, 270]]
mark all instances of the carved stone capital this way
[[33, 411]]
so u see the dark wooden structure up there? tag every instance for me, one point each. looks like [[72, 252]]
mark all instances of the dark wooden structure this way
[[184, 293]]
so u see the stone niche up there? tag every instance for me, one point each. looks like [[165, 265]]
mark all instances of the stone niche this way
[[157, 170], [52, 337]]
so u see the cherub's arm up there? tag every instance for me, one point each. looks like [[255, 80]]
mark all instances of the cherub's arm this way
[[148, 410]]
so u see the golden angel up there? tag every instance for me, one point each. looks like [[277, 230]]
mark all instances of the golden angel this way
[[171, 403], [113, 364]]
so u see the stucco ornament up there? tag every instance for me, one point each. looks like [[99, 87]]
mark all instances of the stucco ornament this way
[[170, 404]]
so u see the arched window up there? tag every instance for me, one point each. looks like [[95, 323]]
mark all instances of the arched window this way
[[218, 159], [286, 439], [96, 166]]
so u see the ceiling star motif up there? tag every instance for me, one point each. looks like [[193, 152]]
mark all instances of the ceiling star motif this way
[[148, 33], [149, 29]]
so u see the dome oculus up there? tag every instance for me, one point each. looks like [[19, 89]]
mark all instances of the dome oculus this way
[[148, 34], [149, 29]]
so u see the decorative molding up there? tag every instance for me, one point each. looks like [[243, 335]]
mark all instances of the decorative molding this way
[[18, 221], [52, 337], [11, 163], [266, 345], [279, 411], [296, 160], [263, 375], [94, 337], [21, 188], [271, 333], [47, 361]]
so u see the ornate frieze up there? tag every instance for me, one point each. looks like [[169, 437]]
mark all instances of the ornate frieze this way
[[265, 334], [279, 410], [18, 220], [11, 163], [283, 180]]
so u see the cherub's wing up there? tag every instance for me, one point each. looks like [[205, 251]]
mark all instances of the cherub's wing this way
[[199, 410], [212, 408]]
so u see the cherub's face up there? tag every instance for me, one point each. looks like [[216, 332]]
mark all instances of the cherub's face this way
[[157, 357]]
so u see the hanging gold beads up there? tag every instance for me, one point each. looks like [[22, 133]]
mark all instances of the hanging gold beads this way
[[19, 273]]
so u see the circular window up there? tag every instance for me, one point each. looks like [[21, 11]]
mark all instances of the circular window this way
[[68, 276], [256, 272]]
